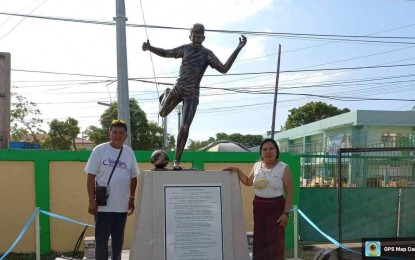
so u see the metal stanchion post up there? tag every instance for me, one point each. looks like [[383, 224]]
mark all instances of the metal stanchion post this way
[[295, 233]]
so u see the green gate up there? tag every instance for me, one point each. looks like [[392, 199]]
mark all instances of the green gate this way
[[376, 197]]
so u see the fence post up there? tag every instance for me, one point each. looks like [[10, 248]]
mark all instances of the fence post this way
[[399, 214], [295, 209], [37, 231]]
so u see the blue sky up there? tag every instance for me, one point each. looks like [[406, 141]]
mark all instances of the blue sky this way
[[89, 49]]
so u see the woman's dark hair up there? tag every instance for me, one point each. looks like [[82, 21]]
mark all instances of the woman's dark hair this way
[[274, 143]]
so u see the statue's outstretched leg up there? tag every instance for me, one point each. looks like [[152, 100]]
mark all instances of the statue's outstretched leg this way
[[188, 113], [163, 96], [181, 142]]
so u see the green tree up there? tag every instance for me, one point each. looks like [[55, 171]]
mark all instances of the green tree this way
[[246, 140], [155, 136], [172, 142], [144, 135], [62, 134], [24, 118], [96, 134], [311, 112]]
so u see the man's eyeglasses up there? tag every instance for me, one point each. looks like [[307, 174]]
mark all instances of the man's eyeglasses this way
[[117, 121]]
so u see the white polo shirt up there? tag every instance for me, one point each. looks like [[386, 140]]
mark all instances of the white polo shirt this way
[[101, 162]]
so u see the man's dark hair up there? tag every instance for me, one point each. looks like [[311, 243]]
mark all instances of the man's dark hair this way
[[118, 122]]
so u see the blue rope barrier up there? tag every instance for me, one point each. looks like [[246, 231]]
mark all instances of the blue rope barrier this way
[[28, 222], [325, 235], [65, 218], [337, 243], [25, 227]]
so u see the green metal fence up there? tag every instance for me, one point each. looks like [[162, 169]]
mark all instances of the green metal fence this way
[[366, 212], [376, 198], [370, 167]]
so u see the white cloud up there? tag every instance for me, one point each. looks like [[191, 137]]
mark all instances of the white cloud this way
[[215, 14]]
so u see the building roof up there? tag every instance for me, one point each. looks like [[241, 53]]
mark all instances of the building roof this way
[[255, 148], [353, 118], [225, 146], [83, 141]]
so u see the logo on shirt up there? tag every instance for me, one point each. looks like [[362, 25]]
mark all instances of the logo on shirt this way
[[110, 162]]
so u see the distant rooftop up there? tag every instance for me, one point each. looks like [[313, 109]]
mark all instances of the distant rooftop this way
[[225, 146], [353, 118]]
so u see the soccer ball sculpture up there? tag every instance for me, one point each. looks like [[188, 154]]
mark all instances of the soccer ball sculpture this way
[[159, 159]]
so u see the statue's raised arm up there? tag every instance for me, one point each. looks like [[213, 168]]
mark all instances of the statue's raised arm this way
[[159, 51], [225, 68], [242, 41]]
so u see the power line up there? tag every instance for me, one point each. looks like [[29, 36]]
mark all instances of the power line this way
[[328, 37], [151, 56], [256, 73], [1, 38], [216, 110], [64, 73], [249, 90], [229, 74], [351, 82], [333, 97]]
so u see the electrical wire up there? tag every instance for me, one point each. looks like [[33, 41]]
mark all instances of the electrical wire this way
[[12, 16], [14, 27], [229, 74], [151, 56], [308, 36], [264, 73]]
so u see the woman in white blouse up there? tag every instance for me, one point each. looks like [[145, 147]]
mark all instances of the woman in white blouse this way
[[271, 179]]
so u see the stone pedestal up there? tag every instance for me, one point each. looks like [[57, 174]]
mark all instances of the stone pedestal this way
[[185, 215]]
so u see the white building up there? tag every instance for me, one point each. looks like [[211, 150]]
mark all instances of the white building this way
[[318, 143], [360, 128]]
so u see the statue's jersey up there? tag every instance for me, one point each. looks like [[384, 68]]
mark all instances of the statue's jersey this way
[[194, 64]]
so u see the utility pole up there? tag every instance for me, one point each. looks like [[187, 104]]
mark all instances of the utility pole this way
[[4, 100], [276, 93], [122, 70], [179, 117], [165, 138]]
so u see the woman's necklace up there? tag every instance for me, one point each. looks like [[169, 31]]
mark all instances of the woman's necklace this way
[[267, 169]]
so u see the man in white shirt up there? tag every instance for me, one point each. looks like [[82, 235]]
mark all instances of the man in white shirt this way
[[111, 218]]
